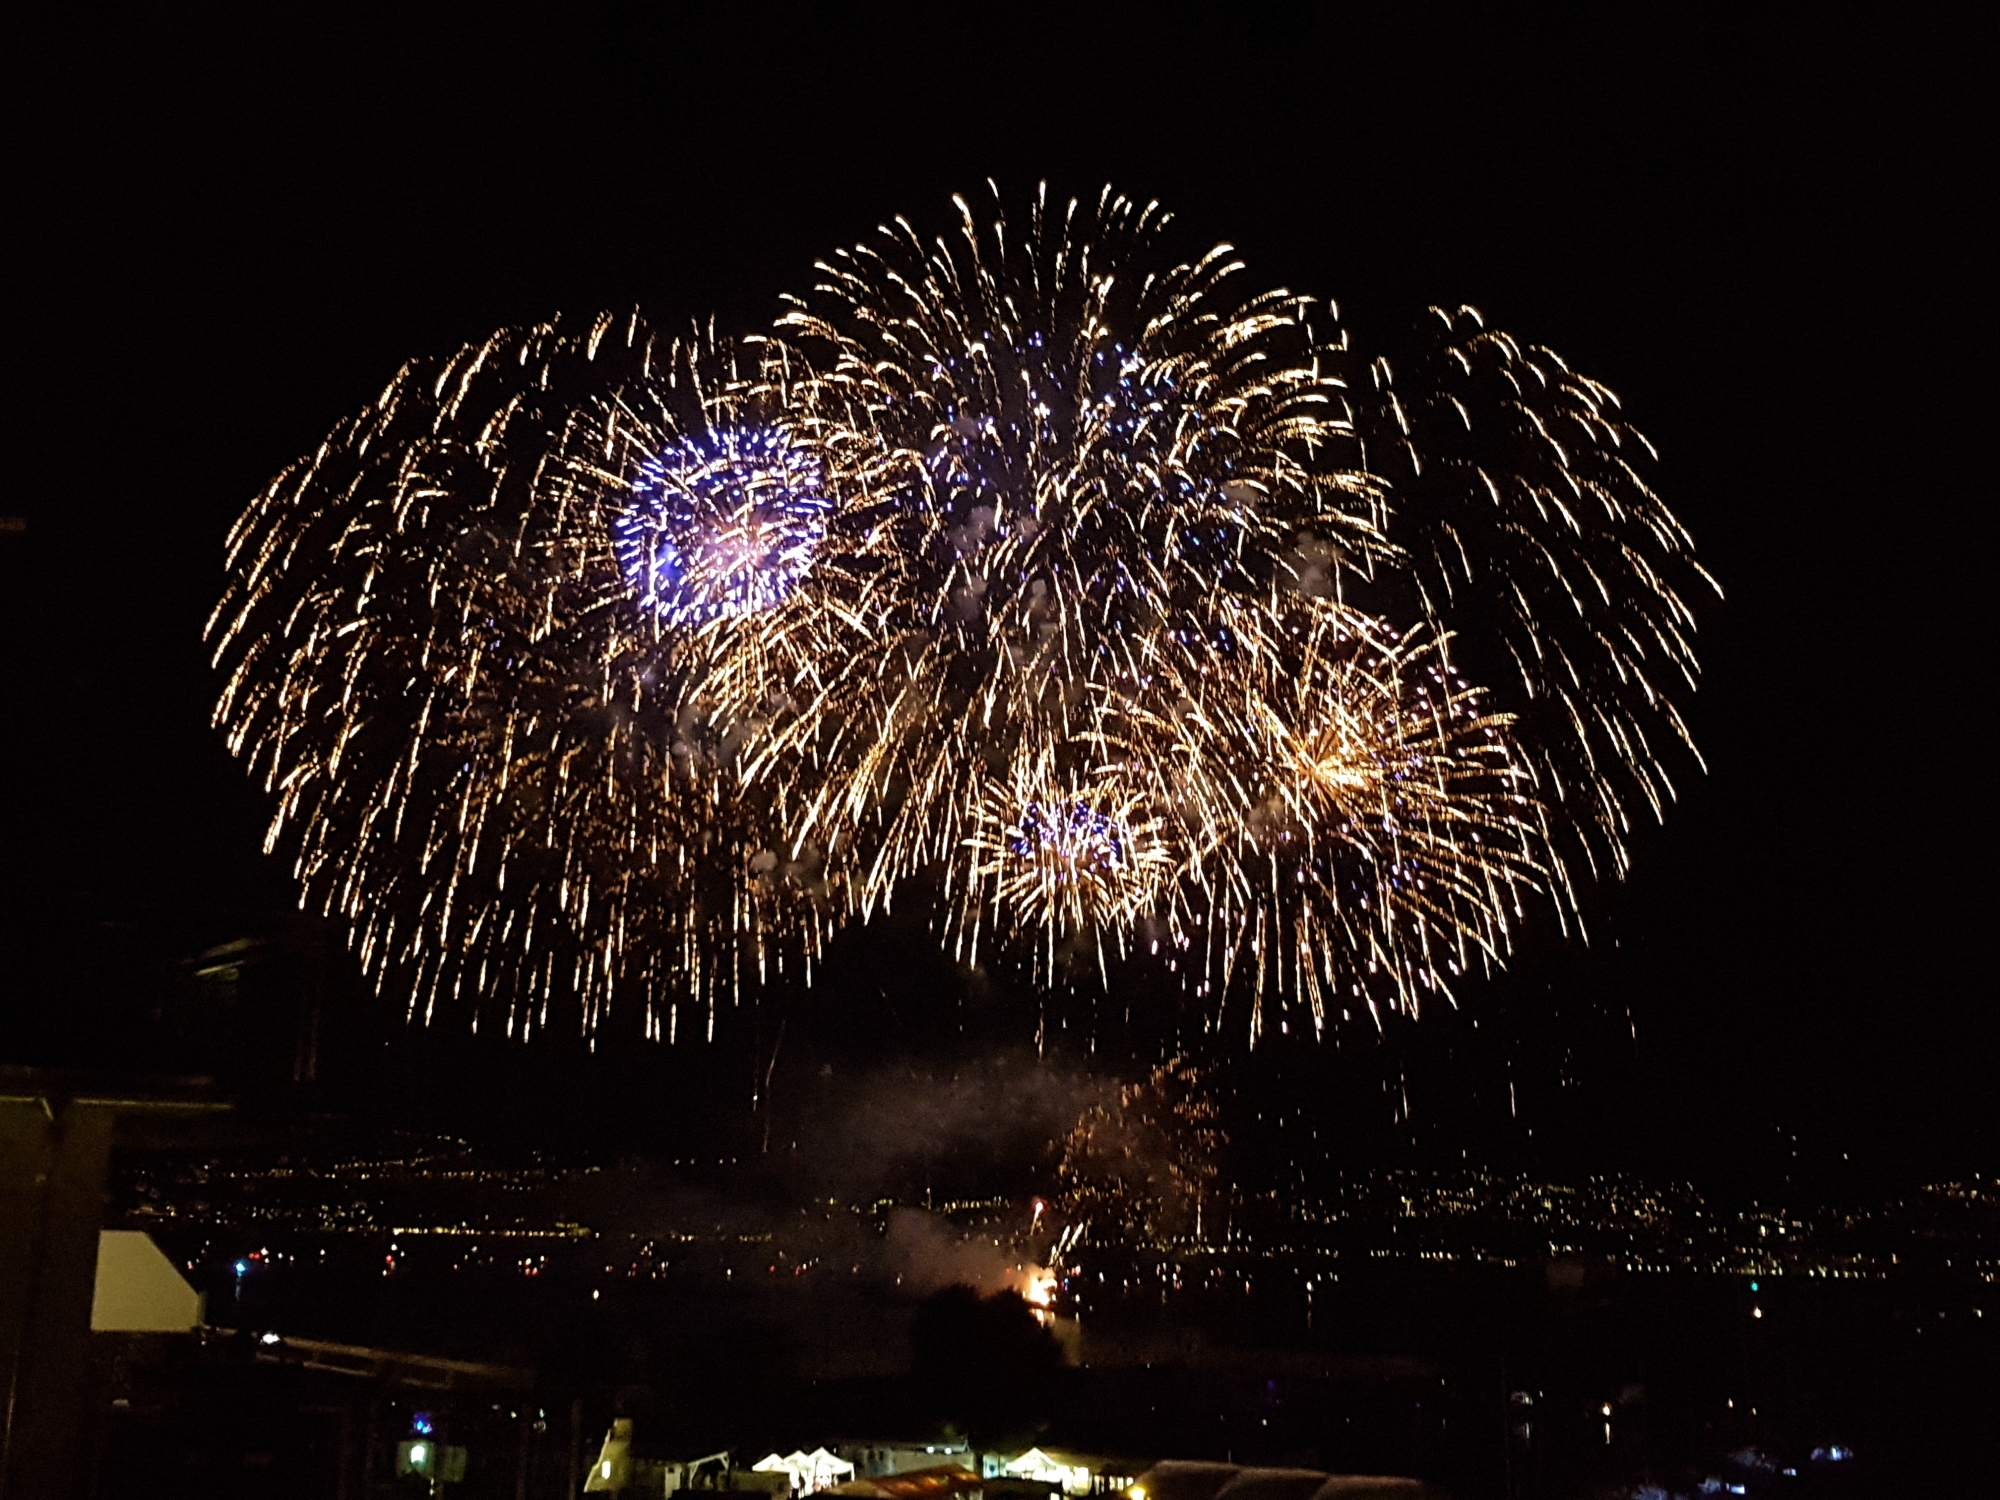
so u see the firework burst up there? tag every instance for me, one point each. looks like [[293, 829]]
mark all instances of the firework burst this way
[[1103, 464], [488, 710], [1080, 593], [1358, 827], [721, 524]]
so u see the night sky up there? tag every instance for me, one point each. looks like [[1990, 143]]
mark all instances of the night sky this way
[[225, 233]]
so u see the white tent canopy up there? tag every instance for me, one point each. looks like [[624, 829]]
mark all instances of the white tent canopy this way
[[810, 1472], [1038, 1466]]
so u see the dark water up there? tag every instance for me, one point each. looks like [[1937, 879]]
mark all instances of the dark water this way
[[1489, 1381], [1568, 1379]]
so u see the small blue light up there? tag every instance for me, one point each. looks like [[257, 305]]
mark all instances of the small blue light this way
[[243, 1268], [420, 1424], [1753, 1286]]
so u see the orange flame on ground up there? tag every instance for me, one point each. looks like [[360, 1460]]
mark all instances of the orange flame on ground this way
[[1036, 1286]]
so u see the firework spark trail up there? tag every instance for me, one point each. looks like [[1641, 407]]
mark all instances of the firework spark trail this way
[[1097, 600], [1141, 1165], [1532, 530]]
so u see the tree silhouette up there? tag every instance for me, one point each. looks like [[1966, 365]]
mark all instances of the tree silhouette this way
[[985, 1365]]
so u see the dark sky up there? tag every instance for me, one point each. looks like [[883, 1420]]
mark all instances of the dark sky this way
[[225, 229]]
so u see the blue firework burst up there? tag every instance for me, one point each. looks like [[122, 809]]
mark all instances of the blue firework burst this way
[[722, 524]]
